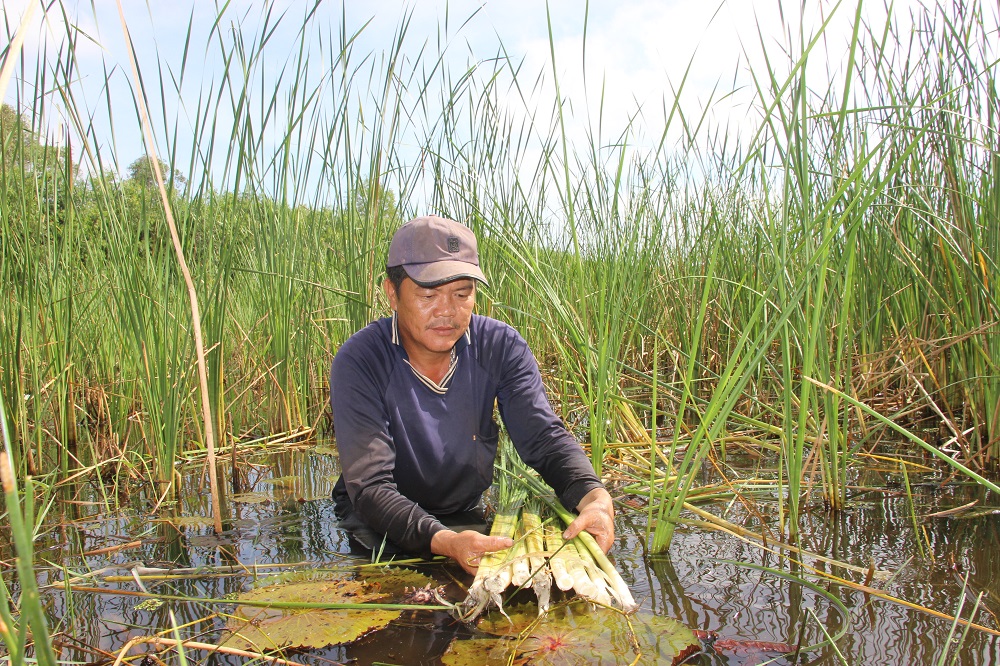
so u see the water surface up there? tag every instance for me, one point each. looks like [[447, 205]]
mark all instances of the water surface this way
[[284, 515]]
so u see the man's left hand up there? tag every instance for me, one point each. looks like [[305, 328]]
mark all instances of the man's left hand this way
[[597, 516]]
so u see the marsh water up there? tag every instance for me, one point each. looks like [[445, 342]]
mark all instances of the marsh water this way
[[282, 514]]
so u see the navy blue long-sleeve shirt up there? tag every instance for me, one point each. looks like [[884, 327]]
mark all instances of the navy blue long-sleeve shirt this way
[[409, 453]]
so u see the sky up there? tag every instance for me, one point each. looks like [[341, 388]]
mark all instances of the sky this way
[[635, 52]]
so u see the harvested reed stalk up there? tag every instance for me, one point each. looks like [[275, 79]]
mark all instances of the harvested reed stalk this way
[[582, 582], [596, 584], [541, 579], [555, 544], [493, 574], [497, 580], [618, 587], [520, 570]]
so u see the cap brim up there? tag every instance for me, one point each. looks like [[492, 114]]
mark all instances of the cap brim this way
[[438, 272]]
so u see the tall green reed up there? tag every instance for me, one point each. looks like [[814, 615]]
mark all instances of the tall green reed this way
[[40, 256], [835, 184], [957, 208]]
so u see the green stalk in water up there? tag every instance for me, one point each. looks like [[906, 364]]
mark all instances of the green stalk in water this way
[[22, 521], [918, 535]]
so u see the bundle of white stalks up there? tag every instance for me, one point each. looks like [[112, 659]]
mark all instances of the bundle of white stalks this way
[[610, 585], [538, 555]]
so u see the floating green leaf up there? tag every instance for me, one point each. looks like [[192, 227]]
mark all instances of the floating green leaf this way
[[394, 582], [259, 628], [149, 605], [575, 634]]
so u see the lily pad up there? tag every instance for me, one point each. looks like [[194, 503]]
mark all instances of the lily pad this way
[[474, 651], [264, 628], [394, 582], [574, 634]]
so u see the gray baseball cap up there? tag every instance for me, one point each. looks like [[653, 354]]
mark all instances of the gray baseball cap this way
[[434, 250]]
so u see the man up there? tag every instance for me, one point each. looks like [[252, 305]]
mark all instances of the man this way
[[413, 398]]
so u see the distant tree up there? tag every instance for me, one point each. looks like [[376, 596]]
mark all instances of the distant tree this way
[[16, 138], [21, 147], [142, 208], [140, 172]]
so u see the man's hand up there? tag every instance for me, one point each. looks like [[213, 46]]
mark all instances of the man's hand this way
[[597, 516], [468, 547]]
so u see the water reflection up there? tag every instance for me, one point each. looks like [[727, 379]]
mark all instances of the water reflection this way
[[691, 584], [282, 514]]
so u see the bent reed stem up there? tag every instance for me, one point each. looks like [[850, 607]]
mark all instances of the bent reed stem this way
[[206, 405]]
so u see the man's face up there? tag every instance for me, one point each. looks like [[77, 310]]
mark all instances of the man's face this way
[[432, 319]]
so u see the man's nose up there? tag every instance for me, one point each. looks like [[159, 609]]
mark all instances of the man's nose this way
[[444, 307]]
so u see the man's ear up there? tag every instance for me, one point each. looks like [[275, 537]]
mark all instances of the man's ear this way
[[390, 292]]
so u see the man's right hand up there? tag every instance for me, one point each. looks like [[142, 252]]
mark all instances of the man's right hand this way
[[468, 547]]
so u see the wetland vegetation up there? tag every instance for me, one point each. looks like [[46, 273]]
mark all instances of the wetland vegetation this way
[[781, 352]]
